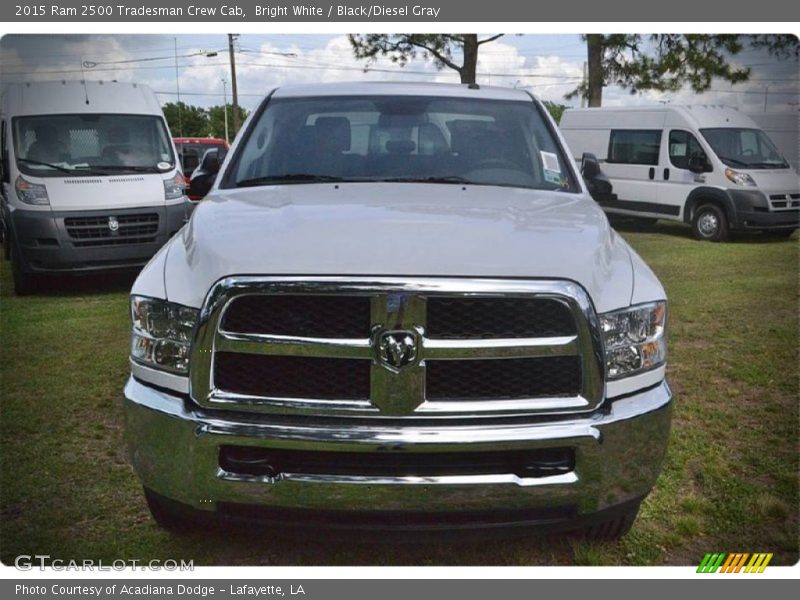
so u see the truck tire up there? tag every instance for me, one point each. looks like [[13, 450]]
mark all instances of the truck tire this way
[[709, 223], [165, 514], [611, 529]]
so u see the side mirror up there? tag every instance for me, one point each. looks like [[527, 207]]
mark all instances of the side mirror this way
[[211, 161], [597, 183], [590, 166], [698, 164]]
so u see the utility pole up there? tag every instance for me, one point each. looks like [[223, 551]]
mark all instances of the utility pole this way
[[234, 92], [766, 94], [225, 106], [178, 89], [585, 82]]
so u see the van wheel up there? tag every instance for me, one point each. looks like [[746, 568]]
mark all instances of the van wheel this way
[[612, 529], [709, 223], [24, 283], [165, 514]]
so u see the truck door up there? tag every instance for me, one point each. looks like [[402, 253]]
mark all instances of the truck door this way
[[676, 180]]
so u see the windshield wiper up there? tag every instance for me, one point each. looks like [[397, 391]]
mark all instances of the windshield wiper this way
[[30, 161], [432, 179], [133, 169], [737, 163], [290, 177]]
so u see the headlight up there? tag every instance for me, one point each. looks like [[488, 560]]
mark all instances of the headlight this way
[[739, 178], [635, 339], [174, 187], [162, 333], [31, 193]]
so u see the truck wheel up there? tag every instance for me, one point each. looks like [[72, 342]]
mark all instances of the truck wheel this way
[[709, 223], [165, 514], [612, 529]]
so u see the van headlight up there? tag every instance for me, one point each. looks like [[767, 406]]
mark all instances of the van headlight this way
[[740, 178], [635, 339], [31, 193], [174, 187], [162, 333]]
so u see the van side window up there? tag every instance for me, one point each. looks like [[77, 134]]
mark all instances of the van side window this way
[[634, 146], [682, 146]]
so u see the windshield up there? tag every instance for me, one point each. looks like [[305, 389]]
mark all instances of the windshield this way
[[55, 145], [405, 138], [744, 148]]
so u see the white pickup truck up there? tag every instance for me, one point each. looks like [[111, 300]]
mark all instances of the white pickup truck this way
[[399, 309]]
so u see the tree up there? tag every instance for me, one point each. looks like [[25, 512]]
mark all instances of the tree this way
[[666, 62], [216, 119], [555, 109], [186, 120], [400, 48]]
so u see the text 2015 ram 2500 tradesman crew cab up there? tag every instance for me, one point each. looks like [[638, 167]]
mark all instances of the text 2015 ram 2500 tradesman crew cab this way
[[399, 307]]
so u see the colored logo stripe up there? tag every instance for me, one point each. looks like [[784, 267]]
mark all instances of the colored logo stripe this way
[[734, 562]]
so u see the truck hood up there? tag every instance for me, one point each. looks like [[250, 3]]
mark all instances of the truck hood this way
[[399, 229]]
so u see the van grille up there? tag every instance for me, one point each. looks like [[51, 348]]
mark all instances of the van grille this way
[[392, 347], [96, 230]]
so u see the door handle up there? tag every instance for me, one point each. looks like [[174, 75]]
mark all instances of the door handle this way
[[652, 173], [666, 174]]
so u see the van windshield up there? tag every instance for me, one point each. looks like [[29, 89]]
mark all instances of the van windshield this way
[[99, 144], [744, 148], [401, 139]]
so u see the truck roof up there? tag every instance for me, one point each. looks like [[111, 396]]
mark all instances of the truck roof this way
[[401, 88], [70, 97]]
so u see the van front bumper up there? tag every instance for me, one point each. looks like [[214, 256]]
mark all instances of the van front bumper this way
[[174, 447], [44, 244], [754, 211]]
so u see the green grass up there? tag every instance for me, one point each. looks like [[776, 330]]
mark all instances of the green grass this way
[[730, 480]]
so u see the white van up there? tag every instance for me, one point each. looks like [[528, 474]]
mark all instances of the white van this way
[[710, 166], [89, 177]]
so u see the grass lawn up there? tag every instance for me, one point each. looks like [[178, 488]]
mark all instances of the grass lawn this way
[[730, 482]]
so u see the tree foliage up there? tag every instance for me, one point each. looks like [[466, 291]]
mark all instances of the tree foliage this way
[[667, 62], [216, 119], [555, 109], [186, 120], [196, 121], [441, 48]]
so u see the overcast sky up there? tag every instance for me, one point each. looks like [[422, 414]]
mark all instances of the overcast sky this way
[[548, 65]]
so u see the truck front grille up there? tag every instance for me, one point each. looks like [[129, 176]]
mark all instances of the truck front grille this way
[[292, 376], [397, 347], [97, 231], [310, 316], [510, 379]]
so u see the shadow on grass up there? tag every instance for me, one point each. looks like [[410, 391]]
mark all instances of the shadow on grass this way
[[684, 231], [65, 285], [239, 545]]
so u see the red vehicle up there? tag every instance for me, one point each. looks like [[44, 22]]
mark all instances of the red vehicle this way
[[191, 151]]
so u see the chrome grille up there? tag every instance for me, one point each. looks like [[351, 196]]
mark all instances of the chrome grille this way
[[785, 201], [474, 347]]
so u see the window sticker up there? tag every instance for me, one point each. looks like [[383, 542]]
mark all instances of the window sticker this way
[[552, 172]]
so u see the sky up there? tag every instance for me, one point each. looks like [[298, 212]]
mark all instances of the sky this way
[[548, 65]]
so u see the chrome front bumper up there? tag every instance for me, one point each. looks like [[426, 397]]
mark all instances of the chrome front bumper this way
[[174, 448]]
